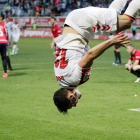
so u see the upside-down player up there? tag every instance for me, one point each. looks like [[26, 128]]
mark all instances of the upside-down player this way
[[74, 58]]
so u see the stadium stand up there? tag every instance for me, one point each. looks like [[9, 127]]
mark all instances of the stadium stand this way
[[46, 7]]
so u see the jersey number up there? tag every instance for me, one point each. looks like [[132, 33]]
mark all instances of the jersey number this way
[[62, 61], [1, 33]]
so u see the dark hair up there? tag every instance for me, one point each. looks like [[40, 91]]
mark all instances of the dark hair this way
[[61, 100], [7, 17], [53, 18], [132, 45], [2, 15]]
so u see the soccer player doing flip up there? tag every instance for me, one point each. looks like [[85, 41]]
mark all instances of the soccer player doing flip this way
[[74, 57]]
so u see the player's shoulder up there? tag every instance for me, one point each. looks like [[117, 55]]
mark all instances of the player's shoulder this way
[[137, 51], [57, 26], [3, 23]]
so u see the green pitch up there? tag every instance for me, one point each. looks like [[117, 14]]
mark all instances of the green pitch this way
[[27, 111]]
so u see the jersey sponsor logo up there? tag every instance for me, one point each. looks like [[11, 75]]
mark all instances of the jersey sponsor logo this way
[[101, 27], [59, 78], [137, 57]]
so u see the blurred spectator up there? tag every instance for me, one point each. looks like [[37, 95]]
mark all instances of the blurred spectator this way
[[49, 7], [34, 26]]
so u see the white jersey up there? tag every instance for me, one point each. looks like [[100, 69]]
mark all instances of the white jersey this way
[[92, 21], [70, 49], [16, 29], [9, 26]]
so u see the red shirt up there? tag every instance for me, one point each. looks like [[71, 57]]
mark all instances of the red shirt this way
[[56, 30], [136, 56], [3, 34]]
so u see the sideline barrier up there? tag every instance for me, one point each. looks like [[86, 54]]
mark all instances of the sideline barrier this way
[[48, 34], [45, 21]]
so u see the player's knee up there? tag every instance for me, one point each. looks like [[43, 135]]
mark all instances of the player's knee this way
[[61, 100], [126, 66], [136, 68]]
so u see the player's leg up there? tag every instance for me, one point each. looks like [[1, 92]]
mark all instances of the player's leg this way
[[118, 55], [134, 71], [133, 33], [8, 62], [3, 50], [14, 48], [125, 21], [16, 41], [137, 70], [54, 52], [118, 5], [115, 54], [9, 39]]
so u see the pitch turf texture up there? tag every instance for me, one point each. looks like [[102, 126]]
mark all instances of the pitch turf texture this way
[[27, 111]]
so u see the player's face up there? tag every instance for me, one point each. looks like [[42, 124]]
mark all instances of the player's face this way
[[16, 21], [75, 95], [52, 22], [130, 49], [7, 19]]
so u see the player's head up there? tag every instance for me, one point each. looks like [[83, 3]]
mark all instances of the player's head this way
[[53, 20], [1, 17], [131, 48], [16, 21], [65, 99], [7, 19]]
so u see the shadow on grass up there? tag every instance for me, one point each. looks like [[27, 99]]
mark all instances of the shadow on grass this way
[[16, 74]]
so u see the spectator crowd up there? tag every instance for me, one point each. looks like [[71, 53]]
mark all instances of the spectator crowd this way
[[47, 7]]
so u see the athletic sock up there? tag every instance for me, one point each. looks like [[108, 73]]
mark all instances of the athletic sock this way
[[13, 50], [4, 62], [115, 53], [132, 9], [119, 56], [8, 62], [118, 5]]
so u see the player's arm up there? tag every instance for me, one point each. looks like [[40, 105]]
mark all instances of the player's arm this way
[[129, 64], [136, 63], [96, 51], [52, 44]]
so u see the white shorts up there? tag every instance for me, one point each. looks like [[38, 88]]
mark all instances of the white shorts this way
[[92, 21], [76, 78], [16, 38]]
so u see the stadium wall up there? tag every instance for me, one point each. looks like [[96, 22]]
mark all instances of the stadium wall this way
[[48, 34]]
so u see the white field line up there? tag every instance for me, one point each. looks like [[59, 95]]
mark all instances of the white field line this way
[[135, 109]]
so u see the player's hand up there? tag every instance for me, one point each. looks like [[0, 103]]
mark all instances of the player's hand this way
[[121, 40], [130, 68]]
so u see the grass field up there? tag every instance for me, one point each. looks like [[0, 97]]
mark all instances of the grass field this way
[[27, 111]]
